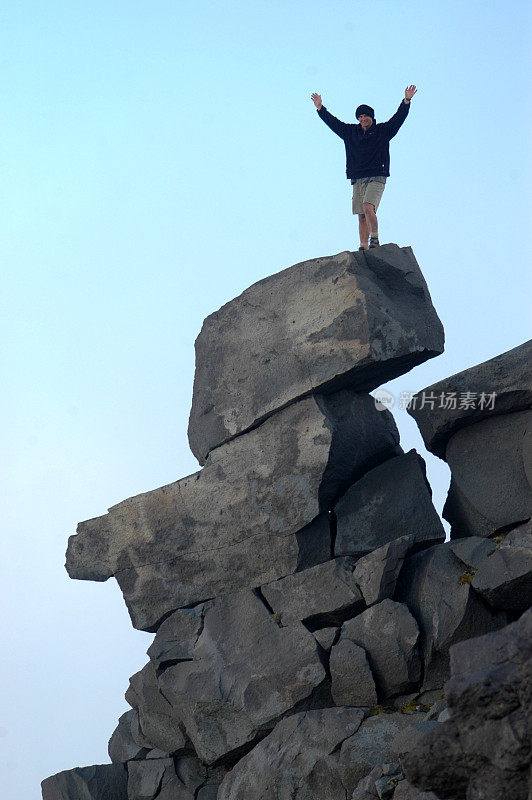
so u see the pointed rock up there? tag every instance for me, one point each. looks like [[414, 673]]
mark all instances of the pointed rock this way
[[390, 501], [350, 320]]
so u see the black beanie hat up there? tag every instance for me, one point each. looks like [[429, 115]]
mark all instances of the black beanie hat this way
[[365, 110]]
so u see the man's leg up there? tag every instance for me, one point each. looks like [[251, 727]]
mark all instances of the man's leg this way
[[363, 231], [371, 224]]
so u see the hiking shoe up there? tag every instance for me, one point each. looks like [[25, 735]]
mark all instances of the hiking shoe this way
[[362, 247], [373, 242]]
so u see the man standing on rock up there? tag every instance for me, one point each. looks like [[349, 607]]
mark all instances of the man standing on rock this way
[[367, 148]]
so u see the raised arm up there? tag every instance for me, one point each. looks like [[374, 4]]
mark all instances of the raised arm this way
[[336, 125], [395, 122]]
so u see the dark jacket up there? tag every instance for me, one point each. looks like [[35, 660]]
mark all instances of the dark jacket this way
[[367, 152]]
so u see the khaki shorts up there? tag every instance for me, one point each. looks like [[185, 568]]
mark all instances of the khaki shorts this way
[[367, 190]]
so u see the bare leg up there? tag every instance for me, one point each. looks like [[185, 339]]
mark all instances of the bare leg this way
[[363, 230], [371, 220]]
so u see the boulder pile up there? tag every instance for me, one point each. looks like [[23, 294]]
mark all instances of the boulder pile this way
[[311, 623]]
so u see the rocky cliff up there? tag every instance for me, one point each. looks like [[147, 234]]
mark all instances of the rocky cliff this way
[[315, 636]]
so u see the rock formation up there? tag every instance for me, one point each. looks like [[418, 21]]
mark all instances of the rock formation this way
[[307, 611]]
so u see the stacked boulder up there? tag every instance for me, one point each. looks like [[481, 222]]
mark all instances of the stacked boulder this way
[[301, 594]]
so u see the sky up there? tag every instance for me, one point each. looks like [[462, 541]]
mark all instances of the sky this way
[[158, 158]]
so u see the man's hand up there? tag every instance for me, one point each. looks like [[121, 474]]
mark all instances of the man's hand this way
[[316, 99], [409, 93]]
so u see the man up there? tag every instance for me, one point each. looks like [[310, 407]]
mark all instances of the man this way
[[367, 148]]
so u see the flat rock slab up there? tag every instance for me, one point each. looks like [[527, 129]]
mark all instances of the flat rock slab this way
[[321, 596], [297, 761], [354, 319], [491, 475], [98, 782], [389, 634], [442, 409], [258, 510], [243, 673], [435, 585], [392, 500]]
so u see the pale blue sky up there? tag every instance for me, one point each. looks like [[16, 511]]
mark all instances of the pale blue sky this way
[[158, 158]]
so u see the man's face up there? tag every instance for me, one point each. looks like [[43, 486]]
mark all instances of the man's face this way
[[365, 121]]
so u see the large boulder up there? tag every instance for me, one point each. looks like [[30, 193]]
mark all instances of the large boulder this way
[[297, 761], [256, 512], [242, 674], [498, 386], [491, 475], [98, 782], [435, 585], [389, 634], [389, 501], [350, 320], [483, 751]]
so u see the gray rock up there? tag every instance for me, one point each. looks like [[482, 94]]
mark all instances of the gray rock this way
[[435, 586], [350, 320], [472, 550], [122, 747], [376, 573], [165, 779], [157, 720], [369, 747], [297, 761], [177, 635], [244, 673], [324, 595], [389, 634], [491, 475], [325, 637], [390, 501], [352, 682], [520, 536], [99, 782], [501, 571], [410, 736], [385, 786], [504, 579], [508, 375], [405, 791], [255, 513], [483, 751]]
